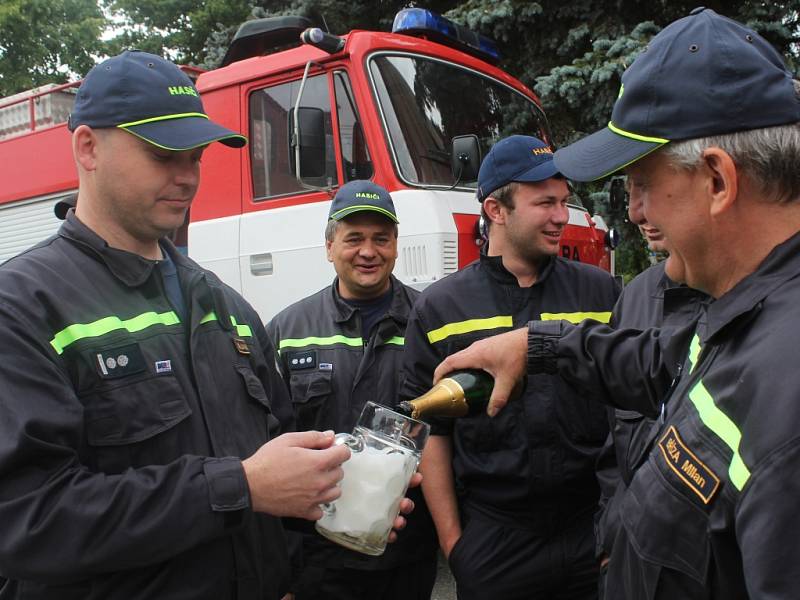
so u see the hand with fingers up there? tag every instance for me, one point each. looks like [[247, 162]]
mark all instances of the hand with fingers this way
[[503, 356], [406, 507], [291, 475]]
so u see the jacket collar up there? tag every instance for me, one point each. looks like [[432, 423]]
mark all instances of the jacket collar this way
[[343, 312], [664, 285], [747, 296], [131, 269], [494, 265]]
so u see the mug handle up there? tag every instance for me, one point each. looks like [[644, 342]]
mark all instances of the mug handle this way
[[356, 444]]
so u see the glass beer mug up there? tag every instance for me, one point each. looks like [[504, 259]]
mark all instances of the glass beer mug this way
[[385, 448]]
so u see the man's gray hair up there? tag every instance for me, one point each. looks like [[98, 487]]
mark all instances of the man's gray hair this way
[[330, 230], [769, 157]]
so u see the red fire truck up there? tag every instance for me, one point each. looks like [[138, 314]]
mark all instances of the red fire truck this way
[[413, 110]]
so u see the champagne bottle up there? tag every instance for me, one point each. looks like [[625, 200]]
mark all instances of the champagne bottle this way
[[459, 394]]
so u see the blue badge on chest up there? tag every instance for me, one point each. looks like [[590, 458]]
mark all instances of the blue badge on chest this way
[[690, 470], [119, 362], [302, 359]]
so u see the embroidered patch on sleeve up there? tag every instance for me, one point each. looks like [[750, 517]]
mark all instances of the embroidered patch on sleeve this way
[[690, 470]]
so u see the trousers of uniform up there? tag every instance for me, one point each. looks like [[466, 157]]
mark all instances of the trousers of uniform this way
[[497, 560], [412, 581]]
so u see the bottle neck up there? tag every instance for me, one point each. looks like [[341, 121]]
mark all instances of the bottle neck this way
[[445, 399]]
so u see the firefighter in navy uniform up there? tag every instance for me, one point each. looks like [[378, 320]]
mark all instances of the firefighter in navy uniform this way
[[340, 348], [651, 299], [513, 498], [140, 400], [708, 129]]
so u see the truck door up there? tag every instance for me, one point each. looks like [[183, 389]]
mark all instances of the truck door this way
[[282, 242]]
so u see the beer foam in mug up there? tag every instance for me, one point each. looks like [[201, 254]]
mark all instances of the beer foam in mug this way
[[372, 487]]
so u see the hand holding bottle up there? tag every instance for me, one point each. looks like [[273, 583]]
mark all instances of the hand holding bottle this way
[[459, 394], [503, 356]]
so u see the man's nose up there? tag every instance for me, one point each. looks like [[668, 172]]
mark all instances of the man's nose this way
[[561, 215], [635, 208], [367, 249], [187, 173]]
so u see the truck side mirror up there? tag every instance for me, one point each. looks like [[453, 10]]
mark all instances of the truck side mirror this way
[[465, 158], [309, 139], [612, 239]]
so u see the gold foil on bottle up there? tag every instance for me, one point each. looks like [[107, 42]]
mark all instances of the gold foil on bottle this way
[[445, 399]]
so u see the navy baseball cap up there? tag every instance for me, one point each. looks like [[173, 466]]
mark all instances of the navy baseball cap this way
[[517, 158], [702, 75], [360, 195], [151, 98]]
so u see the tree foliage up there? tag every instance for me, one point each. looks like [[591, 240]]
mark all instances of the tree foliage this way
[[181, 28], [571, 53], [46, 41]]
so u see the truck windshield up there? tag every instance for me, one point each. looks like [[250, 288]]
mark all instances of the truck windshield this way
[[426, 102]]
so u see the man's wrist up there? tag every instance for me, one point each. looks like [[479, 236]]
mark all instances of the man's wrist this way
[[543, 339]]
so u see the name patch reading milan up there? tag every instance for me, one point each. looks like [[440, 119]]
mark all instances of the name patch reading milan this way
[[687, 466]]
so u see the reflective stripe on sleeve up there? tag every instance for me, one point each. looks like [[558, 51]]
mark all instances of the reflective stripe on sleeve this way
[[445, 331]]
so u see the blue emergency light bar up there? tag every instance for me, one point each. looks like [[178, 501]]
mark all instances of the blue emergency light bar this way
[[421, 22]]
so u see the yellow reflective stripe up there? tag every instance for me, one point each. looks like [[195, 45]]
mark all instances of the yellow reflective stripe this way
[[576, 317], [319, 341], [171, 149], [397, 340], [242, 330], [163, 118], [339, 214], [717, 421], [79, 331], [694, 352], [444, 332], [630, 162], [636, 136]]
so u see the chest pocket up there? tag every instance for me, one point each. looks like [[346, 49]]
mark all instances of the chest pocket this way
[[262, 415], [631, 441], [583, 420], [133, 423], [484, 434], [311, 392], [666, 527]]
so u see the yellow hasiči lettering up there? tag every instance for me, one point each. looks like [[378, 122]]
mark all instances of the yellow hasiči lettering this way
[[181, 90]]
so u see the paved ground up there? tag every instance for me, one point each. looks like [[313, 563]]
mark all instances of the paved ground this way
[[445, 588]]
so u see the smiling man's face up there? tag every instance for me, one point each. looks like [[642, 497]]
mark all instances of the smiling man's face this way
[[363, 252]]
